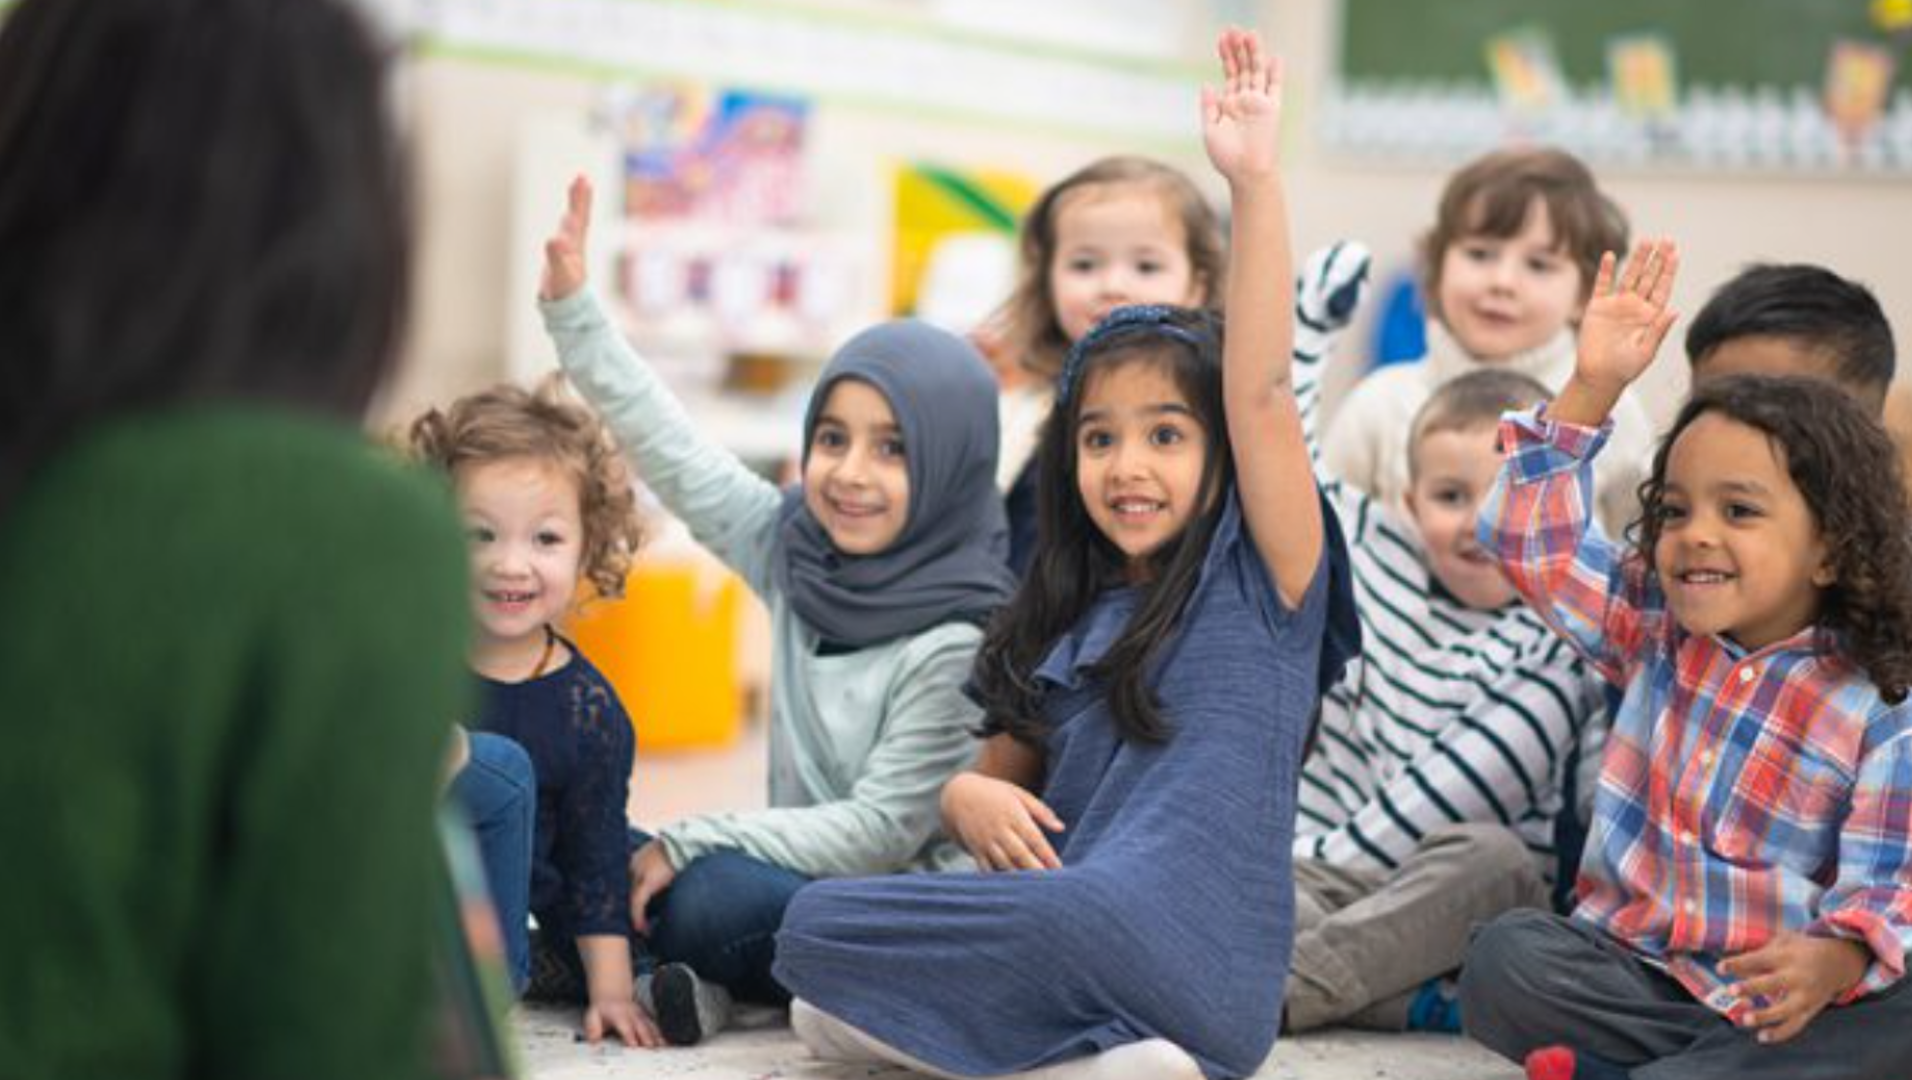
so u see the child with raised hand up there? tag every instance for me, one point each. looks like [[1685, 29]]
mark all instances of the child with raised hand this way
[[1147, 696], [1507, 268], [1120, 230], [1746, 894], [1428, 799], [546, 500], [879, 568]]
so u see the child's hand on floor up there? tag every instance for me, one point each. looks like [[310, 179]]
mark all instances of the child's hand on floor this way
[[624, 1018], [1000, 824], [1799, 975], [1626, 320], [564, 252]]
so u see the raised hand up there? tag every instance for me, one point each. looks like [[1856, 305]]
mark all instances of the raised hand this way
[[1241, 122], [564, 251], [1627, 315]]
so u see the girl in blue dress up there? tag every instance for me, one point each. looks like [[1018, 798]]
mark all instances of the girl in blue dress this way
[[1147, 696]]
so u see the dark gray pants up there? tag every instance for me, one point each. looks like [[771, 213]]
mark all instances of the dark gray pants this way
[[1532, 979]]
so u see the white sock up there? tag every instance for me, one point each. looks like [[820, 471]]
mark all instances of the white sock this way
[[833, 1040], [1150, 1059]]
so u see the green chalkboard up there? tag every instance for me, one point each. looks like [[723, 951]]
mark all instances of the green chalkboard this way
[[1717, 42]]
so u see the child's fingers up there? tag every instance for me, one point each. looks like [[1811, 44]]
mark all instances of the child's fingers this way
[[1603, 277], [1040, 811], [1669, 268], [593, 1026]]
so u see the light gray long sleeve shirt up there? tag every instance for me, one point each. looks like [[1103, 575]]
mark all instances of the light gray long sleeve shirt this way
[[861, 743]]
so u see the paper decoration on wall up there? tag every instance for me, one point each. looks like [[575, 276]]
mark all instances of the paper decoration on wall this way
[[1858, 78], [734, 156], [1643, 73], [1526, 70], [933, 202]]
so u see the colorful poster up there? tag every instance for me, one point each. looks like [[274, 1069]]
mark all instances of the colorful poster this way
[[933, 202], [1526, 70], [1858, 79], [1644, 76], [733, 156]]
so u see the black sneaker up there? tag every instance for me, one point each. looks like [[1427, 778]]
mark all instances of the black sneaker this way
[[688, 1009]]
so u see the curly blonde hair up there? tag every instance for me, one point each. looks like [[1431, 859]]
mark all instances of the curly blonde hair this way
[[545, 424]]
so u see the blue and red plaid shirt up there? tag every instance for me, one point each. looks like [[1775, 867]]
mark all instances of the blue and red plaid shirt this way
[[1742, 794]]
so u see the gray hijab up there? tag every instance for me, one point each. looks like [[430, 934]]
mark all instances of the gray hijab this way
[[949, 560]]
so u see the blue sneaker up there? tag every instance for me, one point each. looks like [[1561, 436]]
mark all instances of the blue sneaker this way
[[1435, 1008]]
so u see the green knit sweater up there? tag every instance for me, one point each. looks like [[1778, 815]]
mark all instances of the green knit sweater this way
[[231, 643]]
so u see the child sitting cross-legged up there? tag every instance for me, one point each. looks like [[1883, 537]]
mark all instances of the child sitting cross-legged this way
[[1745, 901], [1428, 798]]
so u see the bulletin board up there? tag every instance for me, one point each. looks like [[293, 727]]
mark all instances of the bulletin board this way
[[1730, 43], [1734, 86]]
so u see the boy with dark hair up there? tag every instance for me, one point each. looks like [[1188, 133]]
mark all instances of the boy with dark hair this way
[[1795, 319]]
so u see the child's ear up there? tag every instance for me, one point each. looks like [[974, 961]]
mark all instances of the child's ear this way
[[1825, 575]]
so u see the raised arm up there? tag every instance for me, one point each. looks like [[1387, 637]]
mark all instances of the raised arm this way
[[1241, 127], [1627, 317], [729, 509]]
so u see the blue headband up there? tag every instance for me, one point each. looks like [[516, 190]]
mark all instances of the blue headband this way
[[1136, 320]]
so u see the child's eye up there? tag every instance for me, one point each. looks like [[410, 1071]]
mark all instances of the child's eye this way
[[1148, 266], [1739, 511], [1095, 439], [1478, 252], [1669, 513], [829, 439], [478, 534], [1080, 265], [1167, 435], [891, 448], [548, 538], [1451, 496], [1543, 265]]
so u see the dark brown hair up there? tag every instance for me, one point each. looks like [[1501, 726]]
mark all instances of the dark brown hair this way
[[1492, 196], [1847, 470], [201, 200], [1030, 329], [509, 422], [1075, 562]]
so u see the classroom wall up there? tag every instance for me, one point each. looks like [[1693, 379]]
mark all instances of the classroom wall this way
[[466, 118]]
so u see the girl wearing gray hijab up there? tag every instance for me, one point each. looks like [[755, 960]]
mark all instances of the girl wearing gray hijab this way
[[878, 568]]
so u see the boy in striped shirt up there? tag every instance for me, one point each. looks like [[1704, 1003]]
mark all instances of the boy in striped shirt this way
[[1427, 802]]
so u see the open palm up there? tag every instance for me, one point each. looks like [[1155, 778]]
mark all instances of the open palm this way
[[1241, 122], [1628, 314], [564, 252]]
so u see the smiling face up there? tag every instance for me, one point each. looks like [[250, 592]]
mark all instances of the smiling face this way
[[855, 472], [1453, 471], [1739, 552], [526, 536], [1140, 452], [1504, 295], [1118, 244]]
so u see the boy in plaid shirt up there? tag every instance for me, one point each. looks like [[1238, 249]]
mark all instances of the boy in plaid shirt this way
[[1746, 894]]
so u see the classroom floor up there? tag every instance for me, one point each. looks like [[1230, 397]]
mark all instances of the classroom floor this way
[[760, 1046]]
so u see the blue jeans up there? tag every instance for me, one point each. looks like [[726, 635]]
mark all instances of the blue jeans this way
[[720, 916], [498, 792]]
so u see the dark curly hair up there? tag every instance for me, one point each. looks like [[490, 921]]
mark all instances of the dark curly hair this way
[[1075, 562], [1847, 470], [508, 422]]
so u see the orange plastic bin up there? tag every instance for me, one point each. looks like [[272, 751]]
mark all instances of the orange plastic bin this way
[[669, 647]]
